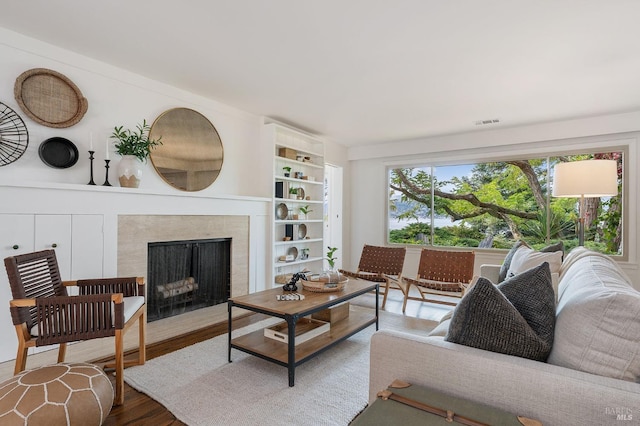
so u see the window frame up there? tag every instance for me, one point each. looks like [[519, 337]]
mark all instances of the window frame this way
[[525, 152]]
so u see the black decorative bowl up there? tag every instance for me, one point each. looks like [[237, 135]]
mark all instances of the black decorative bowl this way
[[59, 153]]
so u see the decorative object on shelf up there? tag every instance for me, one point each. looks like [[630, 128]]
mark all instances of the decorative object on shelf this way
[[293, 193], [330, 259], [304, 211], [134, 147], [290, 296], [298, 175], [324, 283], [129, 171], [293, 252], [305, 253], [282, 211], [14, 137], [300, 192], [106, 173], [91, 182], [282, 278], [291, 285], [287, 153], [331, 275], [306, 329], [191, 155], [49, 98], [286, 171], [302, 231], [59, 153]]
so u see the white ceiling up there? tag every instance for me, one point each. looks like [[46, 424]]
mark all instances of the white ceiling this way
[[365, 71]]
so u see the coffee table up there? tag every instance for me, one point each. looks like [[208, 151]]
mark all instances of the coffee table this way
[[289, 354]]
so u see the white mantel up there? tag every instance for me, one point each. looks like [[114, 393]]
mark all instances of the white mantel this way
[[112, 202]]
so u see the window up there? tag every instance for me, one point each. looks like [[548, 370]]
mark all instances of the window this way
[[494, 204]]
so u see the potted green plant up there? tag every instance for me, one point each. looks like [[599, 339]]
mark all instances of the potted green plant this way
[[330, 259], [293, 193], [135, 147], [304, 211], [331, 275], [287, 171]]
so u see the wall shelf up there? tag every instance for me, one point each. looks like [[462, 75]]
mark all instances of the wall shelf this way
[[288, 145]]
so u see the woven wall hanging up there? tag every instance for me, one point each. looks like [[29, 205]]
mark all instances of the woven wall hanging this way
[[14, 137], [49, 98]]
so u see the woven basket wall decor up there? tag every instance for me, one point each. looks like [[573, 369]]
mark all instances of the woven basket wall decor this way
[[49, 98]]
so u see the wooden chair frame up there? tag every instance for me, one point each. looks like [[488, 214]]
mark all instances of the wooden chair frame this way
[[41, 299], [441, 272], [383, 265]]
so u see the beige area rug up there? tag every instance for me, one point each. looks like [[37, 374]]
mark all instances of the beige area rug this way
[[200, 387]]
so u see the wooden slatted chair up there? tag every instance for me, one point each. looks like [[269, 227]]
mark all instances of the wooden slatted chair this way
[[44, 314], [382, 265], [441, 272]]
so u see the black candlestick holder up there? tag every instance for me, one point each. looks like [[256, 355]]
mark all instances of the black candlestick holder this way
[[91, 182], [106, 176]]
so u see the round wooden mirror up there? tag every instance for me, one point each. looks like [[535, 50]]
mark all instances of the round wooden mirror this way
[[191, 154]]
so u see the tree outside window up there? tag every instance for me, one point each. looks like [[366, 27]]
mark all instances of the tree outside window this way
[[494, 204]]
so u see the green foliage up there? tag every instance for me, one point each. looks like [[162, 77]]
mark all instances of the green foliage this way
[[501, 200], [136, 142], [557, 226], [330, 259], [414, 233], [305, 210]]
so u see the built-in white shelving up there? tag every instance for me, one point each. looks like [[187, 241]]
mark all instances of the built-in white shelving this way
[[294, 234]]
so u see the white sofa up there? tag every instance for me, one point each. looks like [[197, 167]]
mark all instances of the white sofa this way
[[592, 376]]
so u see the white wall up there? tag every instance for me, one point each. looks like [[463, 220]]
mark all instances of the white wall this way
[[369, 174], [117, 97]]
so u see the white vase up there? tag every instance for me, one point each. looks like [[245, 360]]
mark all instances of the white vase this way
[[130, 171]]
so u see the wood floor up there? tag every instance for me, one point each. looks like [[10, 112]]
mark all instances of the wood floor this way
[[139, 409]]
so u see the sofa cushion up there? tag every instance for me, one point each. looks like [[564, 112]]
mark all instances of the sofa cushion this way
[[597, 318], [506, 264], [487, 319], [504, 268], [526, 258]]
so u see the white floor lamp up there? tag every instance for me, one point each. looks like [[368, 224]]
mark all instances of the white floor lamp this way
[[587, 178]]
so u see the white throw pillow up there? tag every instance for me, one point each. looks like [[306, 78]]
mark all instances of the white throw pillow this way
[[526, 258]]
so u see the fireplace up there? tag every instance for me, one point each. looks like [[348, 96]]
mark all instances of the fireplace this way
[[187, 275], [136, 232]]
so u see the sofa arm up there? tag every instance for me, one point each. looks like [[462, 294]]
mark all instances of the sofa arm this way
[[551, 394]]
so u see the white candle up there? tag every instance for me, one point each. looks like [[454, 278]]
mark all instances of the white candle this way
[[90, 141], [106, 145]]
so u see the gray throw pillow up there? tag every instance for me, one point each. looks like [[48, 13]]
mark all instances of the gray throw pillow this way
[[516, 318], [506, 264]]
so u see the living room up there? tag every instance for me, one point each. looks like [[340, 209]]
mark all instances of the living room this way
[[118, 95]]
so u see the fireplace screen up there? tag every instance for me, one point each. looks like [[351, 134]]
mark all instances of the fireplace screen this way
[[186, 275]]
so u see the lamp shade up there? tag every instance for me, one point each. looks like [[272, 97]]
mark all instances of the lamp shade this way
[[587, 178]]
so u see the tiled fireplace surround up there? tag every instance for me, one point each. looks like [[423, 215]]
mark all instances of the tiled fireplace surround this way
[[136, 231]]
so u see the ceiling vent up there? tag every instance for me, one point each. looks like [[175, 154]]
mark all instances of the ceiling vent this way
[[485, 122]]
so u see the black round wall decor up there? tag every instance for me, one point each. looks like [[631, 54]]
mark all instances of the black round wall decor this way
[[14, 137], [59, 153]]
